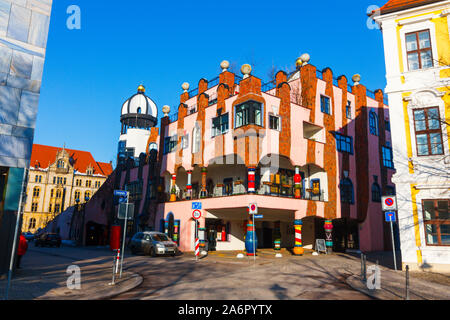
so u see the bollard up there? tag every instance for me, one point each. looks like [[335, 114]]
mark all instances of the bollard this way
[[113, 272], [117, 260], [365, 268], [362, 267], [407, 283]]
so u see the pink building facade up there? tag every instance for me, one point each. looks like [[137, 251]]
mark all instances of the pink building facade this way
[[307, 146]]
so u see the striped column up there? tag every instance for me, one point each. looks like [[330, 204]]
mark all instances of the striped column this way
[[189, 185], [203, 191], [298, 183], [251, 180], [197, 247], [277, 236], [173, 195], [329, 235], [298, 247]]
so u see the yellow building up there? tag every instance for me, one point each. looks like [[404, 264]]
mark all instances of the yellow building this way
[[58, 179], [416, 35]]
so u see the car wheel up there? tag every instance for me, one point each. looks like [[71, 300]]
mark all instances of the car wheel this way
[[133, 250], [153, 252]]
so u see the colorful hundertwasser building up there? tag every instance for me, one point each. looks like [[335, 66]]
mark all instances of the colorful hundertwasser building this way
[[309, 148], [416, 35]]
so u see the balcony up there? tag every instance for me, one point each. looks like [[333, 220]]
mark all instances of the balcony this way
[[267, 189]]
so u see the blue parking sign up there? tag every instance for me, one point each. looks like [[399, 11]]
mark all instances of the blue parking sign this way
[[390, 216], [196, 206]]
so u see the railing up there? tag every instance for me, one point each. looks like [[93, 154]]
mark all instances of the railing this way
[[193, 92], [214, 82], [237, 79], [319, 74], [370, 94], [173, 117], [269, 86], [335, 82], [217, 192]]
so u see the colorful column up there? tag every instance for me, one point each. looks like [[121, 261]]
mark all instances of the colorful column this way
[[166, 227], [203, 191], [176, 231], [173, 188], [277, 236], [298, 247], [329, 235], [251, 180], [189, 185], [298, 183], [249, 247]]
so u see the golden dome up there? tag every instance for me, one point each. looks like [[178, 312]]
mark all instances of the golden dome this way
[[141, 88]]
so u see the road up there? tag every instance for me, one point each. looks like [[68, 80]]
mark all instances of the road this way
[[211, 278]]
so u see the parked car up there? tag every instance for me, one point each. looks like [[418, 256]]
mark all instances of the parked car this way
[[29, 236], [153, 243], [48, 239]]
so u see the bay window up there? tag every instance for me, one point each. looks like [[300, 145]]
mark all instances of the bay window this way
[[250, 112]]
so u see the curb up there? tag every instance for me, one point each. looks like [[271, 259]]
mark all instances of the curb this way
[[138, 279]]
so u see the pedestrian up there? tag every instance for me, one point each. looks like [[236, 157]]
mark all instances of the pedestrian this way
[[23, 246]]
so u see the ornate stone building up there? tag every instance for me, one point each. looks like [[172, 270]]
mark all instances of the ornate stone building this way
[[59, 178]]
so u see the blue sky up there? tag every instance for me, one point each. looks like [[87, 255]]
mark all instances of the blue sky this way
[[89, 73]]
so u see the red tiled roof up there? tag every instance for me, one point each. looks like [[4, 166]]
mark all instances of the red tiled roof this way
[[43, 156], [106, 168], [397, 5]]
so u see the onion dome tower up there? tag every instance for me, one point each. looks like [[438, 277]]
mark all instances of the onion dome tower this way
[[139, 114]]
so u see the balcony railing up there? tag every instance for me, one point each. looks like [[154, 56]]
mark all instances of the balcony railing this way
[[264, 190]]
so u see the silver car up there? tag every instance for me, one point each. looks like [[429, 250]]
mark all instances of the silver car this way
[[153, 243]]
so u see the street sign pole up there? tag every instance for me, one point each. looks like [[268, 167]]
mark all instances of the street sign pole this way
[[393, 246], [254, 247], [124, 235]]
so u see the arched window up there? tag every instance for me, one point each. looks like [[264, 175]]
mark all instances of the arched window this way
[[87, 195], [77, 195], [58, 194], [36, 192], [346, 187], [139, 110], [373, 123], [196, 138], [32, 224], [60, 164], [376, 192], [52, 193]]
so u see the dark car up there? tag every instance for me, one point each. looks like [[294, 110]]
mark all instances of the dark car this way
[[48, 240], [29, 236], [153, 243]]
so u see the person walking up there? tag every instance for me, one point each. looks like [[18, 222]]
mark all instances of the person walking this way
[[22, 249]]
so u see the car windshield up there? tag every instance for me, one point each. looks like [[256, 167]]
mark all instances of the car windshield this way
[[160, 237]]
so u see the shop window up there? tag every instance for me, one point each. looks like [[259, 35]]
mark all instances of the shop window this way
[[228, 187], [437, 222], [282, 183]]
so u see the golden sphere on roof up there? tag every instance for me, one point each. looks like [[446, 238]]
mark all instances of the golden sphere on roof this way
[[141, 88]]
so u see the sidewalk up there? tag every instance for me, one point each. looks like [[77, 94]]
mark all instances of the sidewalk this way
[[43, 277], [393, 286]]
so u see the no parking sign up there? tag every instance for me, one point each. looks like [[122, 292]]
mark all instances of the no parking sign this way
[[389, 203]]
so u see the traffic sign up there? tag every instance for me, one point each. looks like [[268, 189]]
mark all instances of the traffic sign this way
[[389, 203], [197, 214], [120, 193], [196, 206], [125, 212], [253, 208], [258, 216], [390, 216]]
